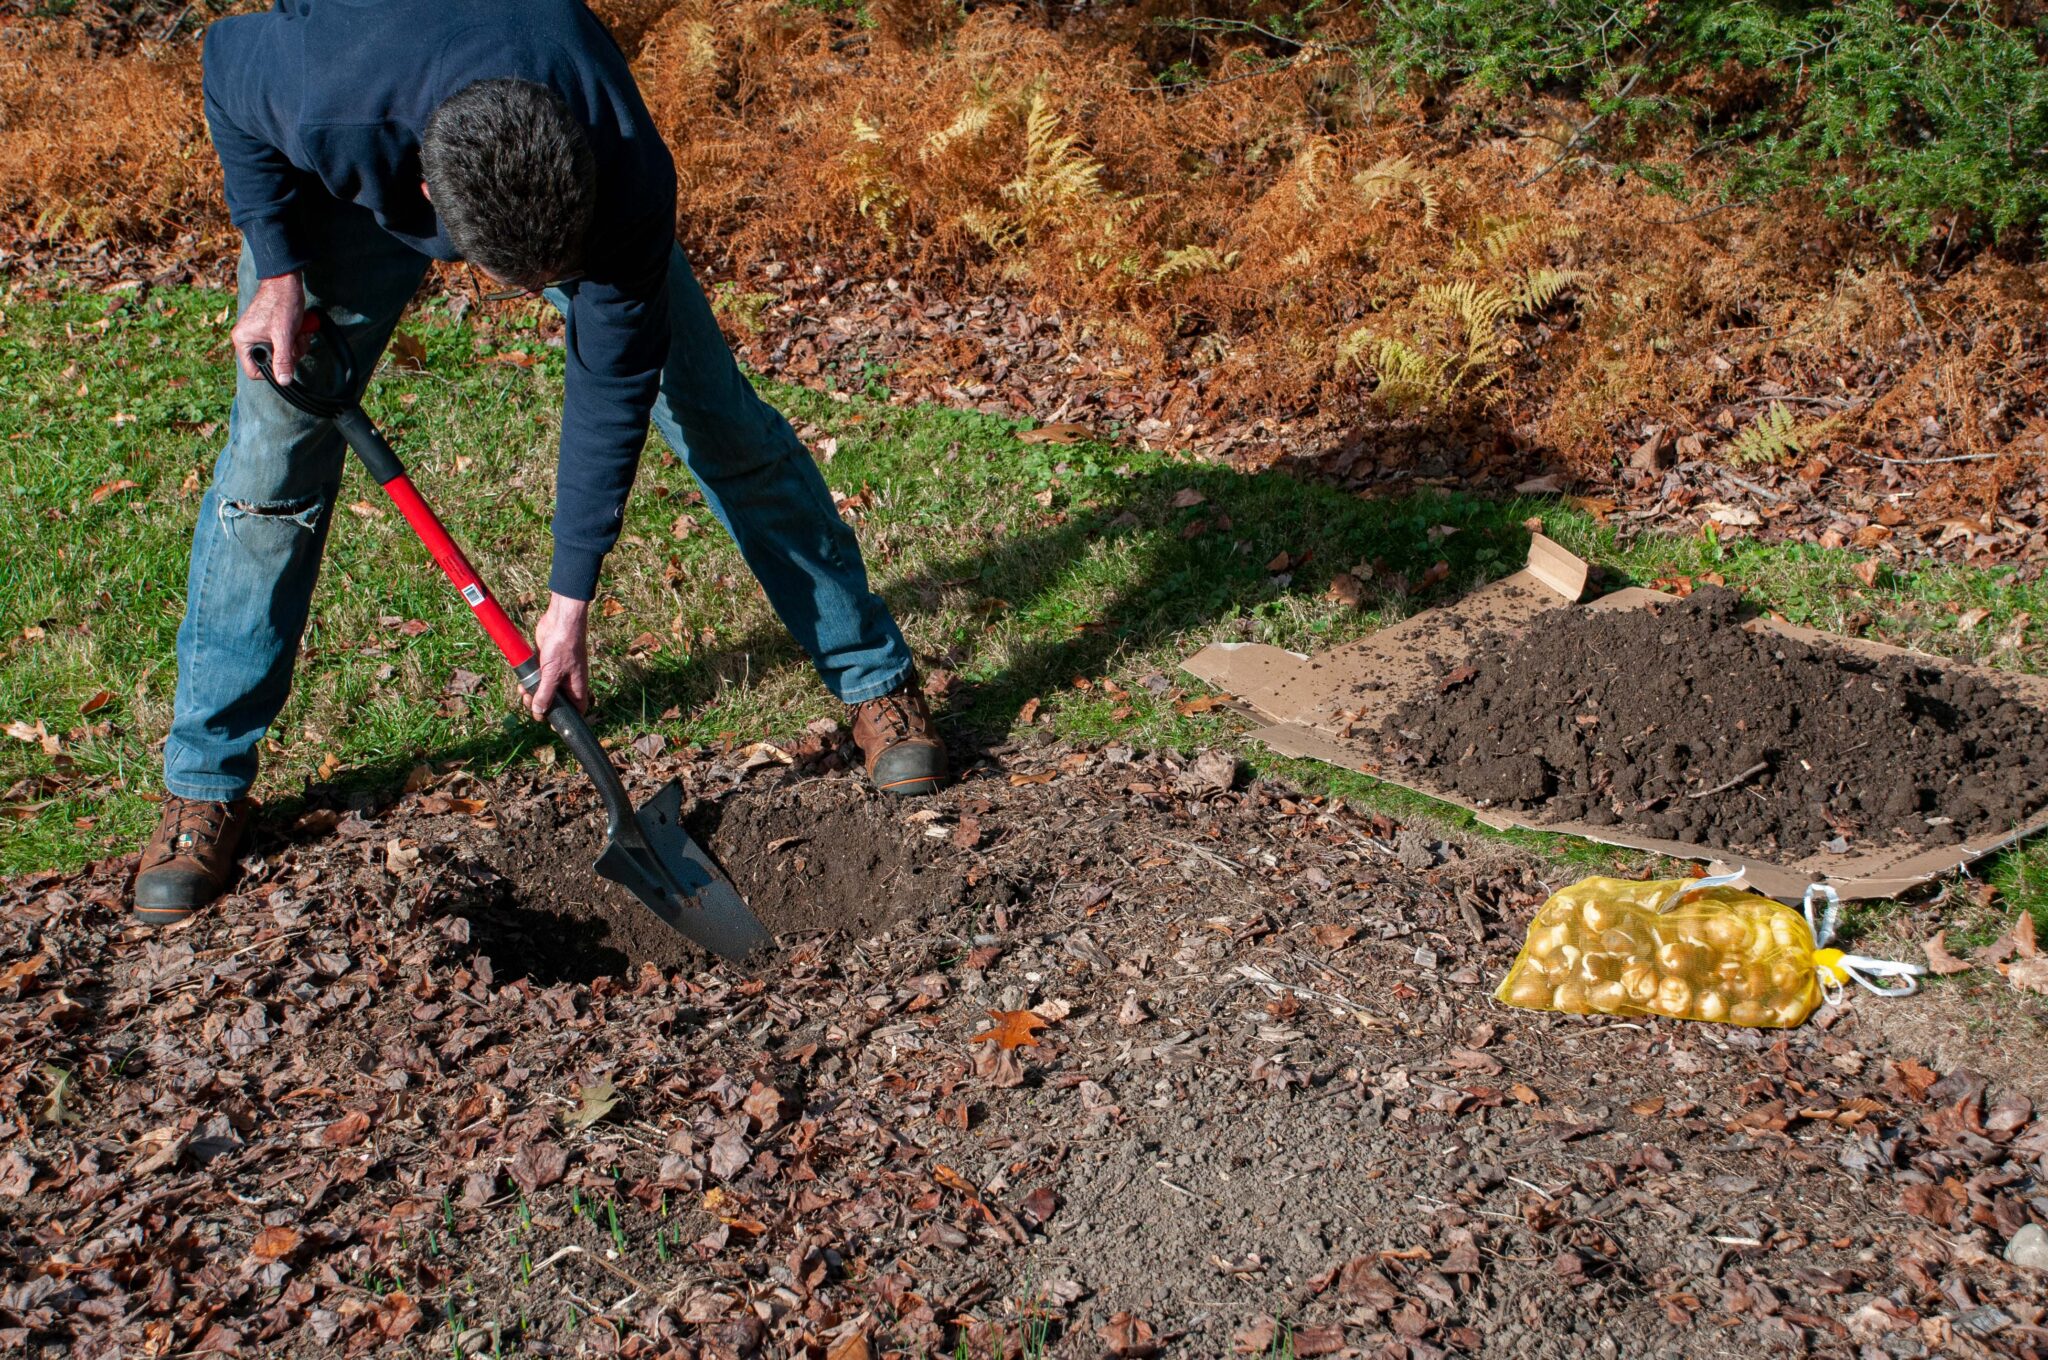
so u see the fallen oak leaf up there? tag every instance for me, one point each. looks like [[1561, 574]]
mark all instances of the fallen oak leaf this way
[[56, 1101], [1940, 962], [595, 1102], [1013, 1029]]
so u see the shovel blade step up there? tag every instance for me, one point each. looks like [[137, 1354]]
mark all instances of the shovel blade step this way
[[660, 863]]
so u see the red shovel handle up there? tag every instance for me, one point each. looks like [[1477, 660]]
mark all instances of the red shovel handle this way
[[382, 463], [336, 401]]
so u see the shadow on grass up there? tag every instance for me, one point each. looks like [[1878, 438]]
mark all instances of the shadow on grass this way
[[1131, 566]]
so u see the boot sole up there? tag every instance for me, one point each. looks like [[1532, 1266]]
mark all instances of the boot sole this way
[[163, 916], [917, 786]]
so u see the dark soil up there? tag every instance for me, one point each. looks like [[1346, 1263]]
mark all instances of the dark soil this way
[[824, 855], [1659, 720], [367, 1105]]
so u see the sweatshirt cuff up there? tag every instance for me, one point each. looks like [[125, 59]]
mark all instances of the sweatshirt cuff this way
[[270, 247], [574, 573]]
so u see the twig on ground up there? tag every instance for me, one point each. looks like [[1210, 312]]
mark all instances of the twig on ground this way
[[1727, 784], [1956, 458], [1572, 142]]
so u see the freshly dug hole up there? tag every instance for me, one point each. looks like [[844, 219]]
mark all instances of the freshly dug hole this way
[[823, 855], [1659, 719]]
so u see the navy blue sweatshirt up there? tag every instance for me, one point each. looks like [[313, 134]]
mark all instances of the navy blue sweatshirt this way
[[325, 100]]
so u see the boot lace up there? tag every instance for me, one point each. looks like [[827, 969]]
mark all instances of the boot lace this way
[[195, 823], [895, 714]]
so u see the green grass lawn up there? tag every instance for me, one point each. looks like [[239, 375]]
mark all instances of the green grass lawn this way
[[1068, 574]]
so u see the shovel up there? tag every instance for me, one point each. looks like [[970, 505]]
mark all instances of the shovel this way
[[648, 852]]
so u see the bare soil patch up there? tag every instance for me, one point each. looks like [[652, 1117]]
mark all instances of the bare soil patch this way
[[344, 1112], [1679, 722], [823, 855]]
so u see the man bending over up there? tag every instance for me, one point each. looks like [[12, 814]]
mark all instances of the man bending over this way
[[361, 139]]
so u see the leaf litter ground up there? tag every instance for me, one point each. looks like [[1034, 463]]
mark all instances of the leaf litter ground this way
[[421, 1085]]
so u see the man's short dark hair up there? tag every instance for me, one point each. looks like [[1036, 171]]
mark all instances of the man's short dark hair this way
[[513, 180]]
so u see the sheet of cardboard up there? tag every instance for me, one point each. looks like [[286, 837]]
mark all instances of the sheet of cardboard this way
[[1326, 707]]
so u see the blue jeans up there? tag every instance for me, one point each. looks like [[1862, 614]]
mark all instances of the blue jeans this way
[[263, 524]]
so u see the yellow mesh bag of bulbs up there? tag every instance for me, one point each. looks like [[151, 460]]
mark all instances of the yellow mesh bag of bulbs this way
[[1690, 949]]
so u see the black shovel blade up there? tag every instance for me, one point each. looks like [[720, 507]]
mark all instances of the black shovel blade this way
[[660, 863]]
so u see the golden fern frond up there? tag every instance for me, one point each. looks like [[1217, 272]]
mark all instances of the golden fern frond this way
[[967, 126], [1774, 435], [1537, 288], [1407, 376], [1191, 260], [700, 49], [1476, 307], [998, 231], [878, 196], [1389, 175], [1311, 164], [1058, 178]]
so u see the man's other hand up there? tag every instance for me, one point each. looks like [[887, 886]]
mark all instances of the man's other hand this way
[[564, 655], [276, 317]]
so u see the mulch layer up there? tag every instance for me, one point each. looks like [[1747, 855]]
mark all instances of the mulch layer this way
[[420, 1085], [1677, 721]]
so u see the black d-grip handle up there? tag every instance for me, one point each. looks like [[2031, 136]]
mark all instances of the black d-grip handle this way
[[327, 341], [338, 405]]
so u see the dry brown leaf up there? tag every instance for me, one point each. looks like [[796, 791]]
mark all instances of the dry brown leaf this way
[[348, 1130], [1940, 962], [852, 1346], [1187, 499], [274, 1244], [1028, 714], [1866, 571], [406, 353], [1013, 1029], [98, 701], [1129, 1337], [1200, 703], [113, 488], [1060, 432], [1036, 777], [2029, 975], [1334, 936]]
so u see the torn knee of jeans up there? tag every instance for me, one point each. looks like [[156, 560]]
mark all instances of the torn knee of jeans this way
[[303, 511]]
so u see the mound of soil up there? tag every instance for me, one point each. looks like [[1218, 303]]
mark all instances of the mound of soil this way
[[1678, 722]]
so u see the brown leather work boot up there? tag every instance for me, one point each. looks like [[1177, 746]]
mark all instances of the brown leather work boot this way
[[189, 859], [895, 734]]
